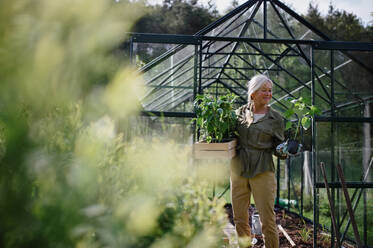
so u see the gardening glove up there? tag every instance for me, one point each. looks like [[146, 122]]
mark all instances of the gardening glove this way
[[281, 150]]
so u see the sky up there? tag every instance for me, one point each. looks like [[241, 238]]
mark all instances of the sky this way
[[361, 8]]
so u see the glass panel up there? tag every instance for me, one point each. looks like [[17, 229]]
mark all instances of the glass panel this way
[[277, 25], [353, 149], [146, 52], [214, 58], [232, 26], [352, 82], [299, 30], [170, 82], [172, 128], [256, 27]]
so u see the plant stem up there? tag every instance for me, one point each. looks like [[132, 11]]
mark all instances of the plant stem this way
[[296, 131]]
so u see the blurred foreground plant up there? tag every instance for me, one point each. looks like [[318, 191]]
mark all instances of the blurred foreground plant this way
[[67, 177]]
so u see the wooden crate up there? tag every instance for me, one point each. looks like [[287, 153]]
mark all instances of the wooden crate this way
[[224, 150]]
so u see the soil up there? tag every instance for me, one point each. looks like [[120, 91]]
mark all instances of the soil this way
[[298, 229]]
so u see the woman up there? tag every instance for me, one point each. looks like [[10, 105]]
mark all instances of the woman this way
[[260, 130]]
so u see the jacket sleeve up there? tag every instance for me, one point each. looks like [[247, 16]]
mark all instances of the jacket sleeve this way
[[239, 118], [278, 136], [278, 131]]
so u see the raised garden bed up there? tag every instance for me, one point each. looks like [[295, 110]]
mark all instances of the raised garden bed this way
[[298, 230]]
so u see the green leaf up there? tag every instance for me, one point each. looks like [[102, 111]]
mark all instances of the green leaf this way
[[306, 122], [315, 110], [288, 125], [199, 97], [299, 106], [199, 122], [288, 113]]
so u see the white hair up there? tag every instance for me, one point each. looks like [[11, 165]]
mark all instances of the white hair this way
[[255, 84]]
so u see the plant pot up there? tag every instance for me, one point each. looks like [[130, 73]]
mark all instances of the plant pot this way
[[293, 146], [222, 150]]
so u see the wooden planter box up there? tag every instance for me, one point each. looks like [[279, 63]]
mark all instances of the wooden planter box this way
[[224, 150]]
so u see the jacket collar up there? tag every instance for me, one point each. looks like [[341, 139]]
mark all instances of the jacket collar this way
[[249, 115]]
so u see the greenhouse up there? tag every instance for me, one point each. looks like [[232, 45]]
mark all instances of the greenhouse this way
[[267, 37]]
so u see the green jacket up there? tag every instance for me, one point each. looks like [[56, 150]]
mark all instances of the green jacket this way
[[257, 141]]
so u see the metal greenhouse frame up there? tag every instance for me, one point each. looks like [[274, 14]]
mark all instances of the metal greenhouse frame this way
[[266, 36]]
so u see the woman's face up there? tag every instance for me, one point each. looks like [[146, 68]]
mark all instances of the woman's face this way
[[263, 95]]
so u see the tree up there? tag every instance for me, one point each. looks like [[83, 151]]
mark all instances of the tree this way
[[234, 4], [172, 17], [176, 17], [339, 24]]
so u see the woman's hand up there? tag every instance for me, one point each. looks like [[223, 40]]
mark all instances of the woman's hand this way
[[283, 153]]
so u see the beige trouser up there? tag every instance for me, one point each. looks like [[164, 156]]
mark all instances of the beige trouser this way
[[263, 188]]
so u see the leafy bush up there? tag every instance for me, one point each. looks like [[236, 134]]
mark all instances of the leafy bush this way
[[216, 117]]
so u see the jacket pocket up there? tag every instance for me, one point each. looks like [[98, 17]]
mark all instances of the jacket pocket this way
[[264, 136]]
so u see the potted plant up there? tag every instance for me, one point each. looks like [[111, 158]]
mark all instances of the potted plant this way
[[216, 121], [304, 113]]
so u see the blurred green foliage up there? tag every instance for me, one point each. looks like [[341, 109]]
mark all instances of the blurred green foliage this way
[[68, 178]]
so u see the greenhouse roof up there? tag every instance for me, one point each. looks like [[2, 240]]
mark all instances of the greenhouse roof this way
[[260, 36]]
